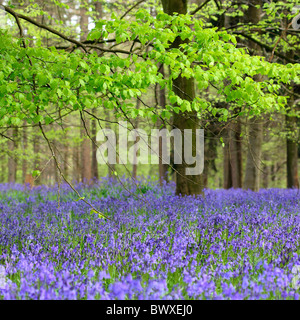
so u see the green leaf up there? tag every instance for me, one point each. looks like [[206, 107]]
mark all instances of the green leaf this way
[[37, 119], [36, 173], [81, 198]]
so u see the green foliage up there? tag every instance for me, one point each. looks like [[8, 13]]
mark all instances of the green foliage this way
[[36, 78]]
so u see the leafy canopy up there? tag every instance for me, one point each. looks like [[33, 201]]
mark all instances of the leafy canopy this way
[[34, 77]]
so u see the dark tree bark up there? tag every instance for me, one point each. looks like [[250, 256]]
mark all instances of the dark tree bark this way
[[185, 89], [233, 156], [292, 152], [210, 149], [98, 8], [232, 160], [292, 128]]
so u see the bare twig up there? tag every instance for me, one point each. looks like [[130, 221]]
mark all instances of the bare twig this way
[[131, 8], [64, 177], [280, 55], [278, 40], [199, 8], [42, 26]]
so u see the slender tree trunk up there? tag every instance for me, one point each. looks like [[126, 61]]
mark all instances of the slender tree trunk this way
[[184, 88], [111, 166], [265, 181], [162, 167], [227, 183], [134, 168], [76, 163], [134, 165], [255, 126], [25, 146], [233, 141], [266, 158], [273, 172], [37, 153], [55, 172], [86, 165], [292, 153], [11, 161], [235, 146], [232, 160], [99, 10], [95, 174], [210, 150], [253, 164], [66, 157], [292, 128], [2, 173]]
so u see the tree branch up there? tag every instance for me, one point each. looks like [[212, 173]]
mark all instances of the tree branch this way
[[21, 16], [135, 5], [199, 8], [280, 55]]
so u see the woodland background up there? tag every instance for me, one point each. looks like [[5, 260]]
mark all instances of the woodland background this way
[[242, 152]]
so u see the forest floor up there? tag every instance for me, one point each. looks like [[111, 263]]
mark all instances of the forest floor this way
[[231, 244]]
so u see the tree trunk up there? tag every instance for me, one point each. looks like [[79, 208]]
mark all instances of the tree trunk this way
[[76, 163], [134, 165], [55, 172], [95, 174], [266, 158], [292, 153], [233, 156], [66, 157], [25, 146], [232, 161], [273, 172], [255, 127], [227, 184], [185, 89], [292, 128], [12, 162], [98, 8], [111, 166], [37, 153], [162, 167], [86, 166], [253, 164], [265, 181], [2, 173]]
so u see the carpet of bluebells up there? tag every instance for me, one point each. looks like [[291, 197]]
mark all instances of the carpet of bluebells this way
[[231, 244]]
